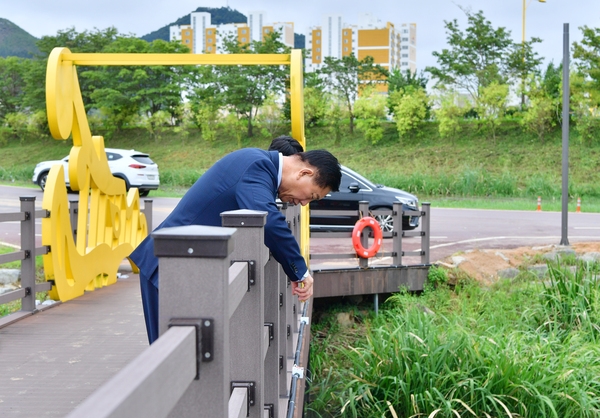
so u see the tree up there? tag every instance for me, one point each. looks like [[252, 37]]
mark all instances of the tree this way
[[491, 106], [335, 113], [123, 92], [204, 100], [370, 109], [588, 55], [12, 72], [551, 81], [347, 75], [34, 88], [315, 105], [410, 109], [584, 107], [270, 117], [399, 80], [540, 115], [84, 42], [523, 61], [244, 88], [404, 80], [449, 114], [476, 58]]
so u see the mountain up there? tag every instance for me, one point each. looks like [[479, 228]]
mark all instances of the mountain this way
[[15, 42], [218, 16]]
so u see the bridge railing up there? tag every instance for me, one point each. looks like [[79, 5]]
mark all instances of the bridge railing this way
[[27, 252], [226, 320], [397, 235]]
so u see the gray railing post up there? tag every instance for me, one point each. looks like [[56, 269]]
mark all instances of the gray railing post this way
[[28, 246], [247, 326], [194, 267], [148, 213], [73, 210], [426, 231], [363, 208], [273, 373], [397, 235], [290, 213]]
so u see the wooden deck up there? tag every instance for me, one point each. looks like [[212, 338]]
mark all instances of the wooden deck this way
[[51, 361]]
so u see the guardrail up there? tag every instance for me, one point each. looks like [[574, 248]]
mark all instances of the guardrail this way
[[397, 234], [226, 319], [26, 254], [28, 251]]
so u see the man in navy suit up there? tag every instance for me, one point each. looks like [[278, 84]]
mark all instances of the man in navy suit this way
[[249, 178]]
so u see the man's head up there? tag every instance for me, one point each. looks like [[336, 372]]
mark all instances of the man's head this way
[[286, 145], [308, 176]]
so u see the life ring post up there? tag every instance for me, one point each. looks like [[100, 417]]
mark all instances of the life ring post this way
[[363, 210], [360, 240]]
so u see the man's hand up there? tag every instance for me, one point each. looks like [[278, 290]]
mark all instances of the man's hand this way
[[304, 292]]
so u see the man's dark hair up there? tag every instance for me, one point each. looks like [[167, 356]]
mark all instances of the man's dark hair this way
[[286, 145], [329, 172]]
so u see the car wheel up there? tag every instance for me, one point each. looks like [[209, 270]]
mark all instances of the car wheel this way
[[386, 222], [127, 186], [144, 193], [42, 180]]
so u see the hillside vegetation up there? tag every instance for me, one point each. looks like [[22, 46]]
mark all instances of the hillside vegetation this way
[[15, 42], [514, 165]]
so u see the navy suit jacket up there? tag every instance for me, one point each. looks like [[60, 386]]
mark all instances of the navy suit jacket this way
[[244, 179]]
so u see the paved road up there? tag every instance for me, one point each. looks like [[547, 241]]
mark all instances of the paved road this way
[[452, 230]]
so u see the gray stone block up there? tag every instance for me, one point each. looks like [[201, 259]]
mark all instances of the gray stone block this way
[[9, 276], [590, 257], [540, 270], [509, 273]]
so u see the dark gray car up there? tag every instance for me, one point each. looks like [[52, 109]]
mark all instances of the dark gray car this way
[[355, 188]]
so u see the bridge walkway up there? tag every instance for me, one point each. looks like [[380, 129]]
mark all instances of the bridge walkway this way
[[51, 361]]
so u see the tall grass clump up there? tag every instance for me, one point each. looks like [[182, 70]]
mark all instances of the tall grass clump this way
[[543, 185], [511, 350], [12, 174], [570, 302], [179, 178]]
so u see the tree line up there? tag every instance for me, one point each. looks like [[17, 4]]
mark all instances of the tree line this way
[[476, 74]]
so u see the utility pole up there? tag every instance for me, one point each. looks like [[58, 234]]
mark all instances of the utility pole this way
[[564, 240], [525, 4]]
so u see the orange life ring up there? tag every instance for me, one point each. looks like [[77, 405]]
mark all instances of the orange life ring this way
[[356, 233]]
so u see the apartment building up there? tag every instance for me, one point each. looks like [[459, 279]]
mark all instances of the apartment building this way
[[202, 37], [390, 46]]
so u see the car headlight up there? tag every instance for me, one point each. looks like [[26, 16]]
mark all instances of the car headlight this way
[[407, 201]]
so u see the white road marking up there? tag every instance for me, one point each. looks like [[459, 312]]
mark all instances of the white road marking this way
[[552, 237]]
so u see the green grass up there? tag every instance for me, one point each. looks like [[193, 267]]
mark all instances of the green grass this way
[[470, 171], [524, 349]]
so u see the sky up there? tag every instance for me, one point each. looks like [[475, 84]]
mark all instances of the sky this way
[[140, 17]]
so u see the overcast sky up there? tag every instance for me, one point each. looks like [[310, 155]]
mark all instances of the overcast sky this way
[[140, 17]]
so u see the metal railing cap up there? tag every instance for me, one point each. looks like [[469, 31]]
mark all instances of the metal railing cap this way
[[244, 218], [193, 241]]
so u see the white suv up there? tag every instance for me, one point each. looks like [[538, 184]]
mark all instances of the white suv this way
[[134, 167]]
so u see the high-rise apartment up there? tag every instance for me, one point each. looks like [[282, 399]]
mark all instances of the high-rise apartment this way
[[390, 46], [202, 37]]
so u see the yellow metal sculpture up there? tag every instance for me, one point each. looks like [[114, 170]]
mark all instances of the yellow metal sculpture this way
[[109, 223]]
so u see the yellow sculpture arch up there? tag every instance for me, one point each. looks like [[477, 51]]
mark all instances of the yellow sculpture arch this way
[[109, 223]]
